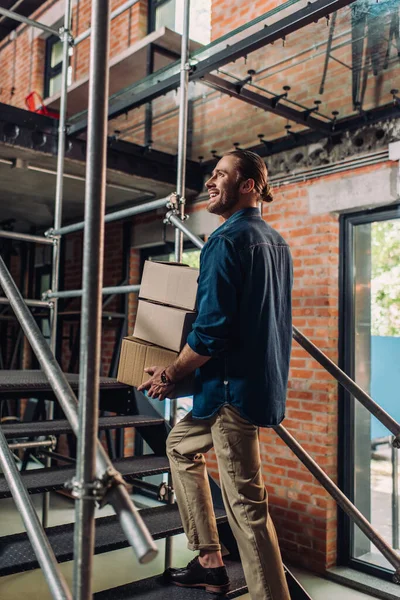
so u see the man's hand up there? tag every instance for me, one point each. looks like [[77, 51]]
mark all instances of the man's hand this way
[[154, 386]]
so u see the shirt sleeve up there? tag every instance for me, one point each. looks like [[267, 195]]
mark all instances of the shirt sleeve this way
[[217, 298]]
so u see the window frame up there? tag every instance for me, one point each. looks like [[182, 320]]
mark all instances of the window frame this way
[[346, 417], [49, 71]]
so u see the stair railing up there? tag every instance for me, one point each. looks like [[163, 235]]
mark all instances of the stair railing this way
[[111, 487], [351, 386]]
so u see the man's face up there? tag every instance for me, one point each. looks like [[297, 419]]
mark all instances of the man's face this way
[[223, 186]]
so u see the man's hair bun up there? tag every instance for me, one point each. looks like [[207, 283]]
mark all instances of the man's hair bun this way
[[266, 194]]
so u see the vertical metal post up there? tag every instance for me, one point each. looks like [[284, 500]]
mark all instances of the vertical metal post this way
[[91, 300], [182, 133], [180, 193], [395, 498], [40, 543], [58, 212]]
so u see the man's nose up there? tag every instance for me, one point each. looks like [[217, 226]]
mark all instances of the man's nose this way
[[209, 183]]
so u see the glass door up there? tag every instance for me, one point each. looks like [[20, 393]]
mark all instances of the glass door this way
[[371, 355]]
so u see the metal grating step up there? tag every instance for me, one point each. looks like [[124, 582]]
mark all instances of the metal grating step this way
[[17, 554], [154, 588], [56, 427], [53, 478], [30, 381]]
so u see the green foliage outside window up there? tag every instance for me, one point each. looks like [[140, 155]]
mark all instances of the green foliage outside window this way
[[385, 278]]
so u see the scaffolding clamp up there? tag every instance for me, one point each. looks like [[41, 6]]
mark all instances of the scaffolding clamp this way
[[98, 489], [396, 443], [66, 33], [165, 492], [173, 201], [174, 212]]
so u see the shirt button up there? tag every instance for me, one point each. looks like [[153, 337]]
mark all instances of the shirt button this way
[[226, 382]]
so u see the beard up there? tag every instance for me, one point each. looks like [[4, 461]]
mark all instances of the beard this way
[[225, 201]]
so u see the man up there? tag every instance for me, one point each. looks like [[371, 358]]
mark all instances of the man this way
[[240, 348]]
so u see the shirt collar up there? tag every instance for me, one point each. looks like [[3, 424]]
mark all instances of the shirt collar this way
[[240, 214]]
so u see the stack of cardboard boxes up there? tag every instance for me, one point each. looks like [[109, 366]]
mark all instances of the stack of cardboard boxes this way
[[166, 312]]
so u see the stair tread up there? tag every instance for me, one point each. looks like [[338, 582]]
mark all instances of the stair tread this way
[[36, 380], [153, 588], [18, 555], [53, 478], [58, 426]]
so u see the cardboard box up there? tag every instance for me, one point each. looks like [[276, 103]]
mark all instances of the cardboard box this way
[[169, 283], [163, 326], [136, 355]]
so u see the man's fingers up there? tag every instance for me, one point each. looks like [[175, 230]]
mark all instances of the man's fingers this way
[[145, 386], [150, 370]]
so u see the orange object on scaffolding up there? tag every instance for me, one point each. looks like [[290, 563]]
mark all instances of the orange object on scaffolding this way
[[34, 102]]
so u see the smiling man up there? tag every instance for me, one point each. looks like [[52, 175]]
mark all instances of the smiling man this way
[[240, 349]]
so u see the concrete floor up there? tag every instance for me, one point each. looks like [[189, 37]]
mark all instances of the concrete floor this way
[[119, 567]]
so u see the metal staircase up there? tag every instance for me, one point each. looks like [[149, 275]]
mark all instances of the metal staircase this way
[[163, 521]]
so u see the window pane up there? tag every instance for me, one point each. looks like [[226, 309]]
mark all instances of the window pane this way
[[376, 292], [170, 14], [55, 85], [56, 54], [165, 15]]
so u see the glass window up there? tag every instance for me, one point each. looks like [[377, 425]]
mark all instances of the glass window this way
[[53, 68], [372, 352], [169, 13]]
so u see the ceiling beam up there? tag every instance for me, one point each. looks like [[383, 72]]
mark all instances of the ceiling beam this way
[[210, 59], [269, 104]]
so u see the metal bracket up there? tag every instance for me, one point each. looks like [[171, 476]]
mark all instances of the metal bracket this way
[[46, 296], [98, 489], [165, 492], [396, 442], [173, 201], [63, 32]]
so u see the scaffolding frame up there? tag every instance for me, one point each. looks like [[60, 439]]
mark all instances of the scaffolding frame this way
[[98, 480]]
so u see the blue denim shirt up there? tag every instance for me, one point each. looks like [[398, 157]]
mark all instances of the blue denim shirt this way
[[244, 320]]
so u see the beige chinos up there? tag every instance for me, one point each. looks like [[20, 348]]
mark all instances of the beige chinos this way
[[236, 445]]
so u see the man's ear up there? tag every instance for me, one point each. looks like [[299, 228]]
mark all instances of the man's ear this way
[[247, 186]]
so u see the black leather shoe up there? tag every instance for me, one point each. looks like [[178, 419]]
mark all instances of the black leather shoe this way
[[214, 581]]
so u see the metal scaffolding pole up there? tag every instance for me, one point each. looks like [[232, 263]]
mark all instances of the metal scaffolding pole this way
[[116, 289], [90, 347], [25, 237], [118, 11], [43, 550], [182, 133], [180, 198], [342, 500], [33, 303], [21, 19], [66, 39], [115, 216], [117, 495]]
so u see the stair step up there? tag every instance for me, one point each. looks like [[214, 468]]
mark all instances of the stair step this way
[[154, 588], [53, 478], [17, 554], [59, 426]]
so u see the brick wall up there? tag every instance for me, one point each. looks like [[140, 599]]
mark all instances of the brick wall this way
[[304, 514]]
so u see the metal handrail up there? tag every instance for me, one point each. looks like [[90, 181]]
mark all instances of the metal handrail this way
[[340, 376], [37, 536], [131, 522], [350, 385], [305, 458], [341, 500]]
